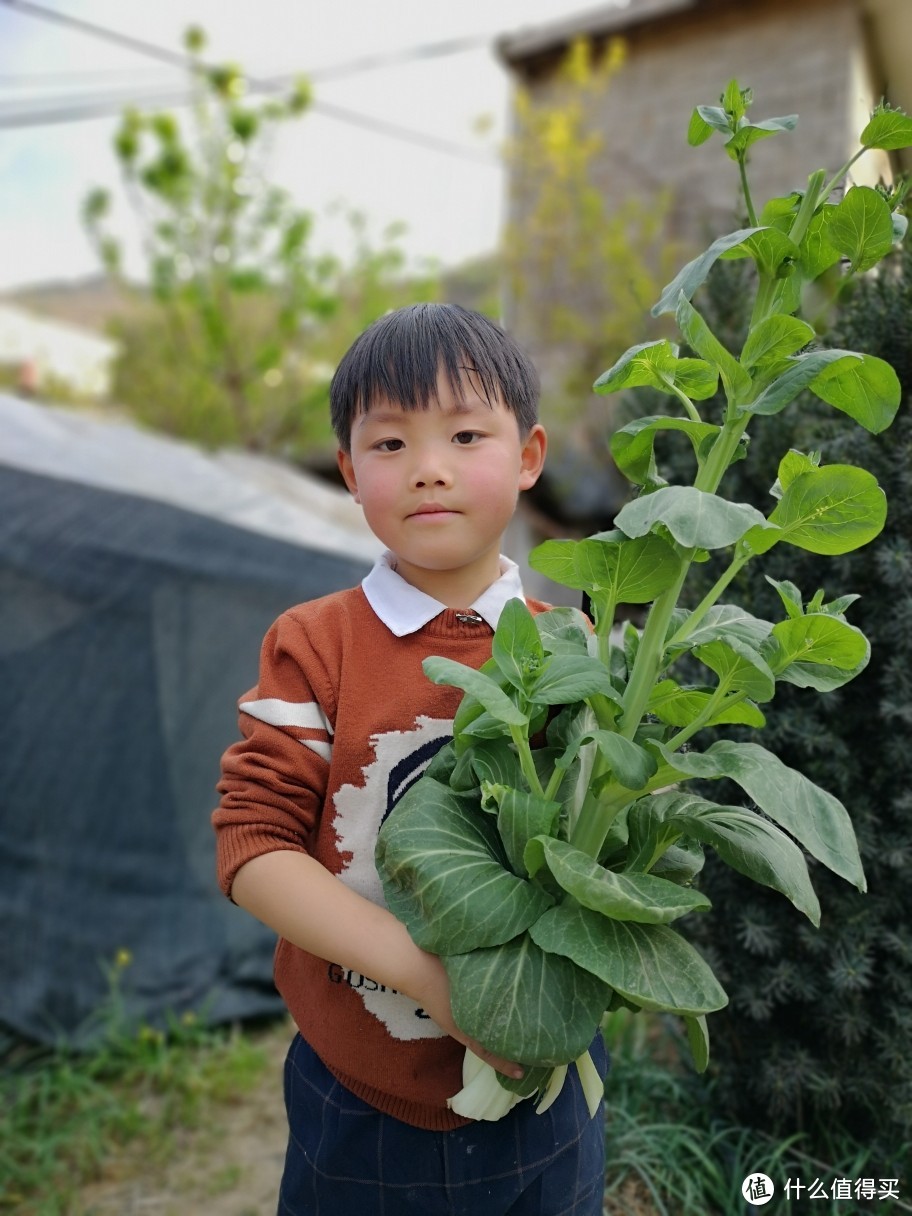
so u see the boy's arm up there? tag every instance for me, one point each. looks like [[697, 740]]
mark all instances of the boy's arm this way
[[303, 902]]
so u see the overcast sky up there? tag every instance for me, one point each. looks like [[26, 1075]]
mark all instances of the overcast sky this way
[[451, 204]]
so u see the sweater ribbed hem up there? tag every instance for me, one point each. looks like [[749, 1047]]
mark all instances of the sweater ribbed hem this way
[[418, 1114]]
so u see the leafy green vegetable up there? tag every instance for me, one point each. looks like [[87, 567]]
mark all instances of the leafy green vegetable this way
[[549, 877]]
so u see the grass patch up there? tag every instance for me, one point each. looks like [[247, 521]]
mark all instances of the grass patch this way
[[67, 1119], [668, 1154], [62, 1112]]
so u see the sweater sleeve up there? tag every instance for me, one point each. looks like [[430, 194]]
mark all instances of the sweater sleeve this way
[[274, 778]]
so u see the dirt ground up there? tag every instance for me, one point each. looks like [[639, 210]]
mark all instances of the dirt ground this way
[[228, 1167]]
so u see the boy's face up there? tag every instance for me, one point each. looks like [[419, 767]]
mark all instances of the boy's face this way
[[438, 486]]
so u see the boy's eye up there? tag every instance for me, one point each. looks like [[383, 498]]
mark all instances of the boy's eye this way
[[466, 437], [389, 445]]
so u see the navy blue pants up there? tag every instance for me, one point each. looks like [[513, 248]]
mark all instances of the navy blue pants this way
[[347, 1159]]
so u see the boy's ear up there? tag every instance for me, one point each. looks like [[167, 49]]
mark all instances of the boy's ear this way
[[347, 469], [532, 456]]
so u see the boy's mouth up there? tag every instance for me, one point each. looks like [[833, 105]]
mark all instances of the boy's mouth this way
[[433, 508]]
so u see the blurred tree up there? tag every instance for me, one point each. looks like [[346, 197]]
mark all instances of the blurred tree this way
[[244, 321], [580, 272]]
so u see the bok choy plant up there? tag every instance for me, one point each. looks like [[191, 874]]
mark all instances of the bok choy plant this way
[[548, 877]]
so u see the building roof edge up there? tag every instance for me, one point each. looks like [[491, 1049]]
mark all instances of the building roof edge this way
[[613, 18]]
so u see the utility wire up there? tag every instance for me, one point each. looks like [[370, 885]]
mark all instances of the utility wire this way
[[348, 67], [81, 111], [419, 138], [61, 110]]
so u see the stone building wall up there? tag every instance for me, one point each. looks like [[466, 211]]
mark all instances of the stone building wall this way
[[810, 57]]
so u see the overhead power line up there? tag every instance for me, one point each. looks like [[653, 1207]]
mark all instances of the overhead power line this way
[[333, 71], [348, 67], [56, 109], [86, 109]]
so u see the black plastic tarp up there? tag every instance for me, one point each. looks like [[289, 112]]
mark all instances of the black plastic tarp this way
[[129, 627]]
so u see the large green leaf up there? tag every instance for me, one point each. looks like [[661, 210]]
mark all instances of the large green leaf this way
[[638, 367], [563, 630], [694, 518], [780, 212], [516, 647], [556, 559], [480, 686], [728, 620], [775, 338], [525, 1004], [888, 129], [744, 840], [832, 510], [861, 228], [656, 365], [792, 465], [795, 379], [494, 761], [693, 275], [772, 250], [867, 389], [813, 816], [650, 965], [739, 666], [629, 571], [444, 873], [817, 251], [567, 677], [817, 651], [638, 897], [631, 764], [632, 446], [678, 706]]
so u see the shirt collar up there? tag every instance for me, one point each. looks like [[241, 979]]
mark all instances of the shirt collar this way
[[404, 609]]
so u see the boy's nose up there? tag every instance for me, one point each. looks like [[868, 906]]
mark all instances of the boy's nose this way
[[430, 469]]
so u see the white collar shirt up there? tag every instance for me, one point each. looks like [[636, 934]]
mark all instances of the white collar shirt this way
[[404, 609]]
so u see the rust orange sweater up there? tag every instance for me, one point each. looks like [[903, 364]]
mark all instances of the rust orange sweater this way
[[342, 721]]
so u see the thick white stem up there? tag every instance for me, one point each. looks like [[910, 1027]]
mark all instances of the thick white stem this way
[[553, 1088], [482, 1096], [593, 1086]]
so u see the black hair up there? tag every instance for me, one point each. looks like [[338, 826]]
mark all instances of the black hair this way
[[399, 358]]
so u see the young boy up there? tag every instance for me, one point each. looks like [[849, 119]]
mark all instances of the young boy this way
[[435, 410]]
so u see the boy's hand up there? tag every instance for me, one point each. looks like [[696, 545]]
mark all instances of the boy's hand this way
[[293, 894], [434, 998]]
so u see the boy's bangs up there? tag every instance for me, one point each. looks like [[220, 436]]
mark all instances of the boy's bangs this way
[[403, 365], [400, 357]]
